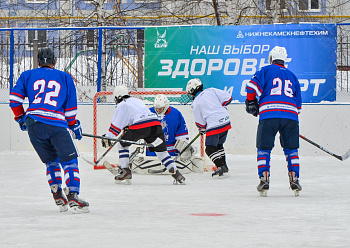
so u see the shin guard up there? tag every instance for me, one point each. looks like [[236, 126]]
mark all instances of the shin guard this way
[[292, 159], [166, 159], [123, 156], [263, 160], [71, 175], [217, 155], [53, 173]]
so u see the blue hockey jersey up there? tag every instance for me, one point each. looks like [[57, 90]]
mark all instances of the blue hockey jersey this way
[[174, 128], [51, 94], [279, 92]]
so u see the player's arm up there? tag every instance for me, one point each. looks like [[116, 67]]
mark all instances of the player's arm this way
[[298, 96], [199, 120], [71, 109], [253, 89], [17, 96]]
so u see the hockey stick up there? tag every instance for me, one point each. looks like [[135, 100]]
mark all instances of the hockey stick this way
[[342, 158], [119, 140], [113, 170], [177, 157], [103, 155]]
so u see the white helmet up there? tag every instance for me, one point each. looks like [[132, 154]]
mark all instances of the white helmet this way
[[277, 53], [161, 104], [193, 86], [119, 92]]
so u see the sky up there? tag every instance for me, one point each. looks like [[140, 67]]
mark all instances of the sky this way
[[152, 212]]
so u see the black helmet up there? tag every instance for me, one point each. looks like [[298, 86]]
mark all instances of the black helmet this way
[[46, 56]]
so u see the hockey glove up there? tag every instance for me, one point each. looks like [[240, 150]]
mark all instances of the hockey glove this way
[[106, 142], [252, 107], [202, 132], [20, 120], [77, 131]]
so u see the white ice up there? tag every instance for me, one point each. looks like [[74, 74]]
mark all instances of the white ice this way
[[152, 212]]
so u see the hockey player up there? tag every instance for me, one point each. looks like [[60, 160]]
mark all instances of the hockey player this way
[[173, 124], [176, 138], [211, 118], [143, 124], [51, 124], [279, 104]]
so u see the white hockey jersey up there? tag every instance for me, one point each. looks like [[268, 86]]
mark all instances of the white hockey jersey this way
[[133, 112], [209, 110]]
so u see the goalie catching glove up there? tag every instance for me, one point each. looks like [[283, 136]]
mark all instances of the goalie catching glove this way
[[107, 142], [187, 154]]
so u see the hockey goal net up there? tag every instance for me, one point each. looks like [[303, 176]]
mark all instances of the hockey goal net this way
[[103, 109]]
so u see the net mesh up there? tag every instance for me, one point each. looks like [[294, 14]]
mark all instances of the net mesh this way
[[103, 107]]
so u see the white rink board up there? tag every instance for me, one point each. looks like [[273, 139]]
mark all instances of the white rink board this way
[[326, 124]]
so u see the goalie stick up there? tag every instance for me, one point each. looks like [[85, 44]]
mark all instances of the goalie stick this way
[[119, 140], [340, 157], [177, 157]]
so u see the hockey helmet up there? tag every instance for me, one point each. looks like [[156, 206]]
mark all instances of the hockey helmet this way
[[46, 56], [120, 92], [194, 86], [161, 104], [277, 53]]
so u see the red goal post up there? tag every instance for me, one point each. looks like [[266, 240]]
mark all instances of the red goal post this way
[[177, 99]]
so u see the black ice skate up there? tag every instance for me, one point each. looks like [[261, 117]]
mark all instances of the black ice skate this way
[[178, 177], [60, 199], [294, 183], [264, 186], [221, 172], [124, 175], [77, 204]]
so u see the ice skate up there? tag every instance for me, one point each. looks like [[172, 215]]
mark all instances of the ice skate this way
[[124, 175], [294, 183], [77, 204], [178, 177], [264, 186], [221, 172], [60, 199]]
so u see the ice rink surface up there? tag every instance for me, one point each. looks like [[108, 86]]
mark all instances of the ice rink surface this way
[[152, 212]]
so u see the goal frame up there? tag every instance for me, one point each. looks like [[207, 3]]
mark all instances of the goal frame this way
[[133, 93]]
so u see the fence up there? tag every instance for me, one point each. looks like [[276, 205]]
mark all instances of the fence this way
[[98, 59]]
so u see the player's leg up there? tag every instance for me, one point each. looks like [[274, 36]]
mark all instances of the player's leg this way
[[265, 141], [156, 134], [289, 138], [39, 137], [215, 150], [67, 154]]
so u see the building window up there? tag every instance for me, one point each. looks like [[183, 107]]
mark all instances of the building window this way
[[40, 35], [309, 5], [282, 4]]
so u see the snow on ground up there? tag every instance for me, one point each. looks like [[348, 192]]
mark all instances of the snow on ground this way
[[152, 212]]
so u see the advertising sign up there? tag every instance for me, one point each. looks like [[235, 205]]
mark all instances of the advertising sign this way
[[226, 57]]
